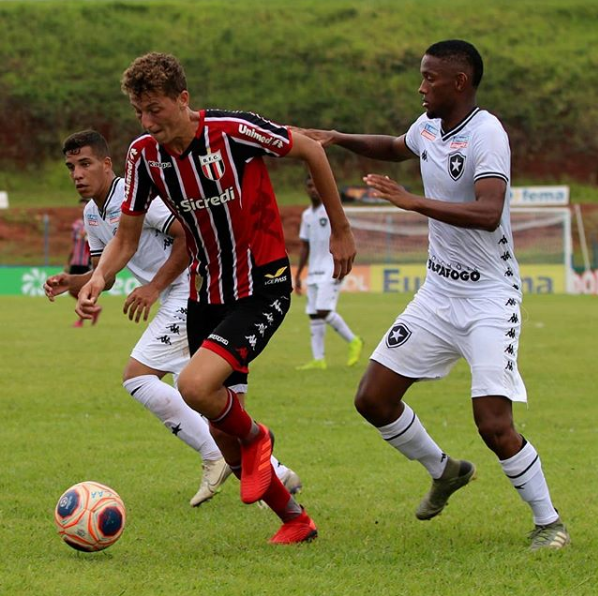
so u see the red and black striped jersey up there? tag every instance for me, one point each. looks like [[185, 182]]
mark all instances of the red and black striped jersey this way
[[220, 191]]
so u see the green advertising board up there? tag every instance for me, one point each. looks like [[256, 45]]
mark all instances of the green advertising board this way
[[29, 281]]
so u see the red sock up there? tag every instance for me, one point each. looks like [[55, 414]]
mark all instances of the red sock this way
[[233, 419], [279, 499]]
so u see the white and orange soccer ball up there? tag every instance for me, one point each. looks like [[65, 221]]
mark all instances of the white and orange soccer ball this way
[[90, 516]]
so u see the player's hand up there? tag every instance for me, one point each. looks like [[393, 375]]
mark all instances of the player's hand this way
[[87, 305], [324, 137], [298, 288], [139, 302], [56, 285], [389, 190], [342, 247]]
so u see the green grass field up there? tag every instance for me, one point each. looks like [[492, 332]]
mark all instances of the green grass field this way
[[66, 418]]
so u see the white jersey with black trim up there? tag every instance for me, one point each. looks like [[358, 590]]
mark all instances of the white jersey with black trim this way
[[315, 229], [466, 262], [154, 243]]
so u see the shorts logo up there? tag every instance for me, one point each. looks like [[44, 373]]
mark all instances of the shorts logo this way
[[398, 335], [212, 165], [456, 165], [274, 278]]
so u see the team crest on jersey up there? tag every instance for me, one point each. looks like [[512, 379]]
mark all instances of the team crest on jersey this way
[[323, 221], [398, 335], [456, 165], [212, 165]]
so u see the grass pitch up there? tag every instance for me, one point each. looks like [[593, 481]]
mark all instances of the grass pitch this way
[[66, 418]]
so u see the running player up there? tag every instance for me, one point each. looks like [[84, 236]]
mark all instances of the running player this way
[[322, 288], [212, 175], [469, 305], [160, 266]]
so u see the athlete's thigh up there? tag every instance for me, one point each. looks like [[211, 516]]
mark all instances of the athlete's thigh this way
[[163, 345], [247, 328], [491, 346], [418, 344], [327, 297], [312, 297]]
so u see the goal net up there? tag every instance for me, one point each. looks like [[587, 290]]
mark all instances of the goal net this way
[[384, 235]]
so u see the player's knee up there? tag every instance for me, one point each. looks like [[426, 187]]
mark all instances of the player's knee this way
[[195, 392], [496, 432], [366, 402]]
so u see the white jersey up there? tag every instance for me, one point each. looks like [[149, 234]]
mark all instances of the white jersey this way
[[154, 242], [466, 262], [315, 229]]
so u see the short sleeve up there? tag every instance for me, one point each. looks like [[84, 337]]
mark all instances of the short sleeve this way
[[412, 138], [159, 216], [139, 188], [492, 154], [96, 245], [261, 136]]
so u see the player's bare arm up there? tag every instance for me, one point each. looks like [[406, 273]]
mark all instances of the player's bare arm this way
[[140, 300], [342, 243], [116, 255], [484, 213], [380, 147], [303, 258], [65, 282]]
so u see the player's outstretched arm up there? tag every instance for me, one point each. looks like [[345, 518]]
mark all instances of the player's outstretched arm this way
[[342, 243], [380, 147], [116, 255], [64, 282], [140, 300]]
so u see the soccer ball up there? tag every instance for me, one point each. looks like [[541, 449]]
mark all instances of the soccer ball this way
[[90, 516]]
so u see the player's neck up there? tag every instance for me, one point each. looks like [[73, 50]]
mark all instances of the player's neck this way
[[101, 197], [458, 114], [184, 137]]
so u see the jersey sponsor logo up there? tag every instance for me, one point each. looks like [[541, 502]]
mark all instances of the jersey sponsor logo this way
[[159, 164], [113, 216], [275, 278], [449, 273], [188, 205], [456, 165], [429, 132], [398, 335], [257, 136], [212, 165], [459, 142], [92, 219]]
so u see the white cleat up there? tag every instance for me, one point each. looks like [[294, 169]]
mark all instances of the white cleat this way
[[215, 473]]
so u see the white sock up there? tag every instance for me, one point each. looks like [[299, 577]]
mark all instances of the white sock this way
[[279, 467], [318, 331], [524, 470], [407, 435], [167, 404], [338, 324]]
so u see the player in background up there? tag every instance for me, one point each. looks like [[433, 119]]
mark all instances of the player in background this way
[[469, 305], [79, 260], [211, 174], [160, 265], [322, 288]]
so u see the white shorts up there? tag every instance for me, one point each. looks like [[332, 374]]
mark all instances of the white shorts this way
[[164, 345], [322, 295], [435, 331]]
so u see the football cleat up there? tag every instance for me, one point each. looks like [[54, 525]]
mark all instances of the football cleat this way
[[355, 349], [256, 469], [313, 365], [215, 473], [457, 474], [300, 529], [551, 536]]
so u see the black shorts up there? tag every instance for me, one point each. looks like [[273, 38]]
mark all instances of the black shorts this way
[[78, 269], [238, 331]]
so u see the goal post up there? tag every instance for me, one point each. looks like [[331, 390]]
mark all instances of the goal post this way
[[542, 236]]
